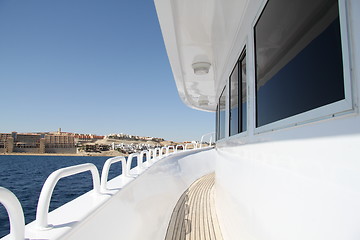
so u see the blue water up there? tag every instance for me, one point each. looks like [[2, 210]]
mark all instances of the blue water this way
[[25, 176]]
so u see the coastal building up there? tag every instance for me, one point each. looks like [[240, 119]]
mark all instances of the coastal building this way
[[26, 142], [132, 137], [6, 142], [86, 137], [58, 143], [37, 143], [68, 143], [3, 138]]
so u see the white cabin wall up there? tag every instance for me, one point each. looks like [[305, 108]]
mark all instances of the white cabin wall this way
[[301, 189], [297, 182]]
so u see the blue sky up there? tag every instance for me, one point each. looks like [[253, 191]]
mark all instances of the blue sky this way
[[90, 67]]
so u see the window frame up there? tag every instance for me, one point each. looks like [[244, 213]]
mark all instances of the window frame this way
[[217, 122], [241, 57], [335, 109], [238, 98], [218, 133]]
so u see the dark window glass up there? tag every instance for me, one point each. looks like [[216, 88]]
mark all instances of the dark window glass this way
[[243, 92], [222, 102], [298, 58], [237, 85], [217, 123], [234, 101]]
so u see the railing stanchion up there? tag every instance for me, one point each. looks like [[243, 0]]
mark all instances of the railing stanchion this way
[[15, 213], [106, 168], [42, 211]]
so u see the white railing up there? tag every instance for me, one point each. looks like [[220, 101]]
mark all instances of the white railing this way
[[178, 146], [156, 155], [147, 162], [190, 144], [42, 211], [211, 140], [151, 158], [106, 168], [13, 206], [168, 149], [129, 161], [163, 151], [15, 212]]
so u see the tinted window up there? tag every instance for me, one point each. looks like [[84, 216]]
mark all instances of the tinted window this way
[[217, 123], [234, 100], [298, 58], [222, 102], [243, 92], [237, 85]]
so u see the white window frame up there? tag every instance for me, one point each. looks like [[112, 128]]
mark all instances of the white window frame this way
[[243, 133], [226, 127], [338, 108]]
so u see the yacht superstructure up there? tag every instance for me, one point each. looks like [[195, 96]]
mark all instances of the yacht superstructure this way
[[283, 79]]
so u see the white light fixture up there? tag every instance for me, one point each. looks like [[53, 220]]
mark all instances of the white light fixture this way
[[201, 68], [203, 101]]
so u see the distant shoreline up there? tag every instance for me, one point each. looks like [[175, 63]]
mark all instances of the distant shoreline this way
[[83, 154]]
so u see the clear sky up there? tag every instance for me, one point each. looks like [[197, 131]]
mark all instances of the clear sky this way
[[90, 67]]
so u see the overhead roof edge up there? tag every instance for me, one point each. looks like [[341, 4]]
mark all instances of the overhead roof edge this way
[[185, 79]]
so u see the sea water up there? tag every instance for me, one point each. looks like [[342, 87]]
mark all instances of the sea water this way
[[25, 176]]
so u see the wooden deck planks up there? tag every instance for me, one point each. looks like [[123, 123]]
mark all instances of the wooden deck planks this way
[[194, 216]]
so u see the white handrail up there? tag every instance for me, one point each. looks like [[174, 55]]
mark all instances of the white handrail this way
[[106, 168], [211, 134], [188, 144], [129, 161], [15, 212], [147, 154], [168, 149], [180, 145], [151, 156], [153, 159], [42, 211], [156, 155], [161, 150]]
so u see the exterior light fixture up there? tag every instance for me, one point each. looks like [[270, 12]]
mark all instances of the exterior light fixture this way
[[201, 68], [203, 101]]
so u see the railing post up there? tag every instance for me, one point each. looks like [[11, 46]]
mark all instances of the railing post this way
[[163, 154], [42, 211], [15, 213], [146, 153], [129, 161], [160, 152], [156, 155], [168, 149], [154, 151], [181, 145], [151, 155], [148, 158], [106, 168], [211, 137]]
